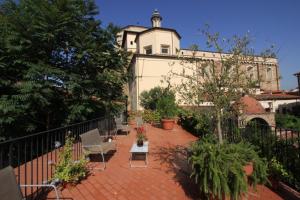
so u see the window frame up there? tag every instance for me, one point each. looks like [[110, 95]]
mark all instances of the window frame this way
[[165, 47], [269, 74], [147, 48]]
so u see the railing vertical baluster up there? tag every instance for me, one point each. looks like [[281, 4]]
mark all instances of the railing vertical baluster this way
[[51, 156], [276, 143], [261, 137], [25, 167], [31, 164], [77, 144], [47, 154], [18, 151], [280, 143], [80, 143], [37, 164], [55, 154], [298, 145], [10, 154], [42, 157], [1, 157], [285, 149]]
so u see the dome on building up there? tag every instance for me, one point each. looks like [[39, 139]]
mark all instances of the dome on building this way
[[249, 105]]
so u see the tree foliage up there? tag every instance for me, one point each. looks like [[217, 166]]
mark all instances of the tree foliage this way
[[288, 121], [149, 99], [219, 81], [57, 64]]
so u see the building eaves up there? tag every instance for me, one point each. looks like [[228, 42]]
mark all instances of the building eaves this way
[[134, 26], [276, 97], [125, 36], [164, 56], [158, 28]]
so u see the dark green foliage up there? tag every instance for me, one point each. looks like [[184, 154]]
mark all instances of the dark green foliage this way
[[151, 116], [218, 168], [198, 123], [276, 170], [254, 132], [161, 100], [57, 65], [288, 155], [166, 106], [282, 147], [288, 121], [149, 99], [296, 110]]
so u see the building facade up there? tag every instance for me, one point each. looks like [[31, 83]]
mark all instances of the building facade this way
[[156, 51]]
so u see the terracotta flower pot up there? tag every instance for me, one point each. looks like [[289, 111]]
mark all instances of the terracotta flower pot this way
[[167, 124], [248, 169]]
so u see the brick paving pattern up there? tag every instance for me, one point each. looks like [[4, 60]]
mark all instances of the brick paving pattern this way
[[165, 178]]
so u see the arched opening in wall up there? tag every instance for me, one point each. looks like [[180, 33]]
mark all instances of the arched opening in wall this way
[[257, 125], [259, 133]]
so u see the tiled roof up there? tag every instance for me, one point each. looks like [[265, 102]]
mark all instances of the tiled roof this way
[[250, 105], [276, 96]]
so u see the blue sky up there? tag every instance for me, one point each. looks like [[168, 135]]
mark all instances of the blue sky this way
[[269, 22]]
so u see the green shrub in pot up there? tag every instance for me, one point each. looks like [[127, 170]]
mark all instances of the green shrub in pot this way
[[218, 168]]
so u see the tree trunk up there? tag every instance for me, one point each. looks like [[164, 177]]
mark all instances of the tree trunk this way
[[219, 129]]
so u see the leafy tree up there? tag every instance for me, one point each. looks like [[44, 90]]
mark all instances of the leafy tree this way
[[57, 64], [149, 99], [288, 121], [219, 82], [166, 106]]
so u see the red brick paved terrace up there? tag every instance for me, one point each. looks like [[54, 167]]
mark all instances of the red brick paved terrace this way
[[165, 177]]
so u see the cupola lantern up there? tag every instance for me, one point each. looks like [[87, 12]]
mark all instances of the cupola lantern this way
[[156, 19]]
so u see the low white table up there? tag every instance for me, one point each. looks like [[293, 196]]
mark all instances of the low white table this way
[[144, 150]]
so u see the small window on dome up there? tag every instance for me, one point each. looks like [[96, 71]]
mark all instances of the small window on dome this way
[[165, 49], [148, 49], [131, 42]]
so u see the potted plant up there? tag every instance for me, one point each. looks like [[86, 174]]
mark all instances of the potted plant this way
[[140, 136], [151, 116], [68, 171], [276, 173], [219, 168], [167, 108]]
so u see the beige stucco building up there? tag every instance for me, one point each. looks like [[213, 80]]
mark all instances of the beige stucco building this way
[[156, 51]]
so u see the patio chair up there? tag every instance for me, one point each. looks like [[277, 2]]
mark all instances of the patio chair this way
[[10, 190], [93, 143], [120, 126]]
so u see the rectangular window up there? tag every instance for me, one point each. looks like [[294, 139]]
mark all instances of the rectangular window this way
[[269, 74], [251, 73], [165, 49], [148, 49]]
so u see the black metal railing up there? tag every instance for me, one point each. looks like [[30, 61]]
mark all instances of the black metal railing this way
[[33, 155], [273, 142]]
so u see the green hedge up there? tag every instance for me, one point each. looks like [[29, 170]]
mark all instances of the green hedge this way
[[197, 123]]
